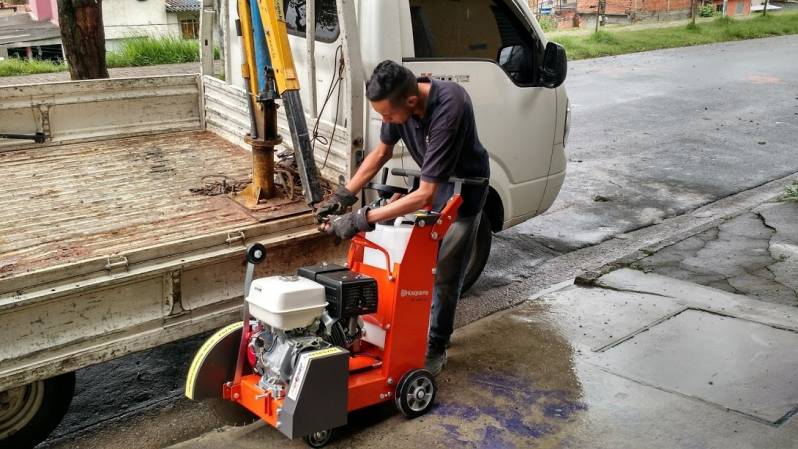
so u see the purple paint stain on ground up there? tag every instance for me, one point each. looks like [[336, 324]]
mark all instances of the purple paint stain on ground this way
[[554, 404], [513, 421], [453, 432], [460, 411], [493, 439], [508, 386]]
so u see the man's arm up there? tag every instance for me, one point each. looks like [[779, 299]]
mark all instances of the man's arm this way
[[411, 202], [404, 205], [370, 166]]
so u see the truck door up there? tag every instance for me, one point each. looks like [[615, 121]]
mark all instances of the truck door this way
[[491, 49]]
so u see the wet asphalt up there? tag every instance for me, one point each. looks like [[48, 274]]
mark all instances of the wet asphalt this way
[[653, 135]]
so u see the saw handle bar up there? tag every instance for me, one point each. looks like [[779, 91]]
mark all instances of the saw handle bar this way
[[458, 182]]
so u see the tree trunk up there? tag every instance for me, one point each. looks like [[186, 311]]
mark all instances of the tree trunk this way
[[692, 11], [83, 37]]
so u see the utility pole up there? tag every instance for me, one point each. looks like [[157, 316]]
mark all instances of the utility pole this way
[[765, 11], [83, 38], [601, 9], [598, 15]]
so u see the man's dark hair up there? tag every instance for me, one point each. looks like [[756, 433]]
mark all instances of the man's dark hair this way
[[392, 81]]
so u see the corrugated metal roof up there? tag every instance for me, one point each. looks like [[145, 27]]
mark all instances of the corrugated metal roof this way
[[182, 5], [17, 29]]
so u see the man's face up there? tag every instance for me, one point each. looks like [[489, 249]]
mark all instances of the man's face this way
[[395, 113]]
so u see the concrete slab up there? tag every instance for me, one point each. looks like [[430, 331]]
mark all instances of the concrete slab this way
[[754, 253], [690, 294], [526, 378], [736, 364]]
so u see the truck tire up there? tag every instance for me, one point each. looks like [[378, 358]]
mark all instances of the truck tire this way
[[480, 253], [29, 413]]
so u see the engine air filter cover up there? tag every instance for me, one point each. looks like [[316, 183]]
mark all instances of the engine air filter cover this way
[[286, 302], [349, 293]]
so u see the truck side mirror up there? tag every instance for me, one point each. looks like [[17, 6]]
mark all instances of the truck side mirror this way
[[555, 66]]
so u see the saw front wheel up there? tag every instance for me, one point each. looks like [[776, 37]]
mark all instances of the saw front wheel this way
[[415, 393], [319, 439]]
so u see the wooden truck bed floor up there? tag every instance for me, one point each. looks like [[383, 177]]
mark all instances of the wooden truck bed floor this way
[[71, 202]]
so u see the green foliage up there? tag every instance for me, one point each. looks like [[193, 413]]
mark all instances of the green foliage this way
[[608, 43], [15, 66], [791, 192], [603, 37], [548, 23], [141, 51], [706, 10], [724, 21]]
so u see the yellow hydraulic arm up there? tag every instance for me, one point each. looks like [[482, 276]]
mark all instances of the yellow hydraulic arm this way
[[281, 83]]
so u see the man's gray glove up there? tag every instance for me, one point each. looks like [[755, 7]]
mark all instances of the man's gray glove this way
[[346, 226], [337, 204]]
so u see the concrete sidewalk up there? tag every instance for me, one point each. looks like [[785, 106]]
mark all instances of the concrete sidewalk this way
[[632, 360]]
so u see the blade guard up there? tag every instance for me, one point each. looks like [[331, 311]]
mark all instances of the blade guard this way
[[214, 364]]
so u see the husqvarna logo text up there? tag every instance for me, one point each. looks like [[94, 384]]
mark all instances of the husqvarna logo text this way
[[413, 293]]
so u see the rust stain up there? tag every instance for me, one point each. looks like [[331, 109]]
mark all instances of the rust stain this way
[[764, 79]]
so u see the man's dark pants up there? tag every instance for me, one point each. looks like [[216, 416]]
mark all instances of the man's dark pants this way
[[453, 256]]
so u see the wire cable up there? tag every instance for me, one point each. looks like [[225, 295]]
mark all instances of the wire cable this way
[[338, 68]]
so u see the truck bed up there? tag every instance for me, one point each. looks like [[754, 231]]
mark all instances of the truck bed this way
[[62, 204]]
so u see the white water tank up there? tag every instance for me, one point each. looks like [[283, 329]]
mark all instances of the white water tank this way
[[393, 238], [286, 302]]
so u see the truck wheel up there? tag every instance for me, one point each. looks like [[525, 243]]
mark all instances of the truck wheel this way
[[479, 254], [29, 413]]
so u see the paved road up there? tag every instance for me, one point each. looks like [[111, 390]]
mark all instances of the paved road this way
[[654, 135]]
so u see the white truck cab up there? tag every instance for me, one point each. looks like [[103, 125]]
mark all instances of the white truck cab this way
[[494, 48]]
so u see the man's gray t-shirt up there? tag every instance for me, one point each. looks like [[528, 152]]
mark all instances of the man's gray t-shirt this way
[[444, 143]]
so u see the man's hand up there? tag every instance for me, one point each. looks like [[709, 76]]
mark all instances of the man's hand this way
[[346, 226], [337, 204]]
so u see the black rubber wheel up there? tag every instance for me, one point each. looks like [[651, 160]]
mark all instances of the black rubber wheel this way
[[320, 438], [256, 253], [415, 393], [479, 254], [29, 413]]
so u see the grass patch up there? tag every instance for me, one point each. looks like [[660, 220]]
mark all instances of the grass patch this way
[[141, 51], [791, 192], [608, 43], [16, 67]]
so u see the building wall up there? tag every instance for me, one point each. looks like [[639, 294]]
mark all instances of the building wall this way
[[41, 10], [126, 18], [614, 7], [737, 7], [618, 11], [173, 20]]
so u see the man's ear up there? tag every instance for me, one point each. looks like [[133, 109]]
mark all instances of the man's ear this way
[[412, 101]]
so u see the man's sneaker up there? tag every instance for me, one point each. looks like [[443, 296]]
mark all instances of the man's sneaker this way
[[436, 359]]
